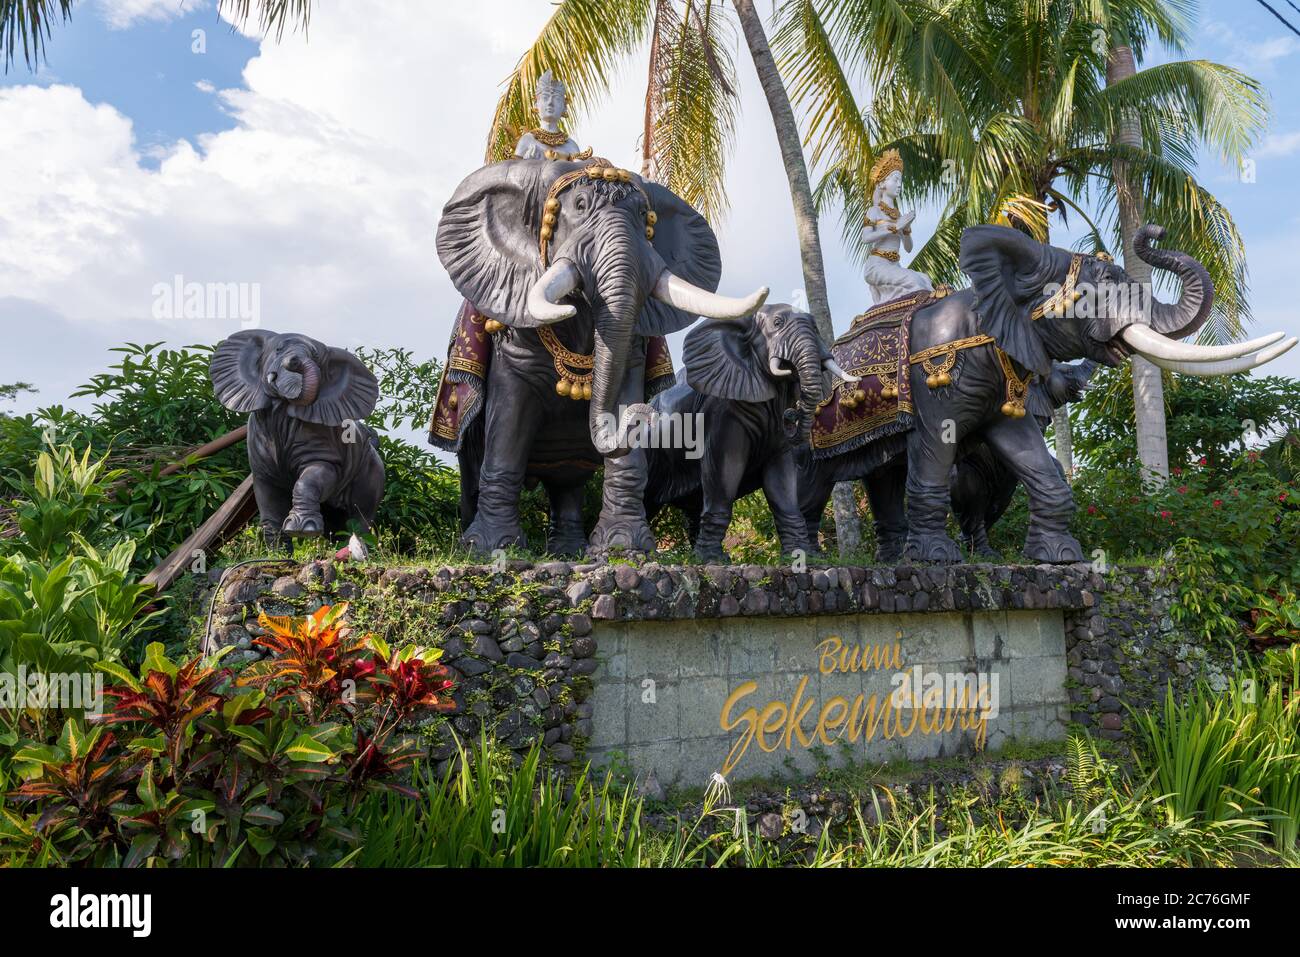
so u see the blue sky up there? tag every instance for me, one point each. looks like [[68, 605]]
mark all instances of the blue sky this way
[[315, 169]]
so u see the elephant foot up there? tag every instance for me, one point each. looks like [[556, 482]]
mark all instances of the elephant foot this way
[[712, 555], [627, 535], [302, 523], [567, 544], [482, 538], [1053, 548], [889, 552], [931, 547]]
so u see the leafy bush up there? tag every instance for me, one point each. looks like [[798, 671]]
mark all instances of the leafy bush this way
[[210, 769]]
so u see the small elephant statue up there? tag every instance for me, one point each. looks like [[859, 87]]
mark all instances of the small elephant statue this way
[[315, 464], [982, 485], [752, 385]]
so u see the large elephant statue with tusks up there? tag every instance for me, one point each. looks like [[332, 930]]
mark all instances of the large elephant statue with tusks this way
[[574, 264], [971, 356]]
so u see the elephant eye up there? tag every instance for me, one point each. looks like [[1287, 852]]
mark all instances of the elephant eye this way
[[581, 203]]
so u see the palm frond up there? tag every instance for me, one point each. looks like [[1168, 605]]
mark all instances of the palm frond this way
[[272, 15], [692, 102], [581, 44], [26, 23]]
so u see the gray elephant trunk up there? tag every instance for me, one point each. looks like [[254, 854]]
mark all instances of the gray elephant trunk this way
[[807, 361], [1188, 314], [620, 280]]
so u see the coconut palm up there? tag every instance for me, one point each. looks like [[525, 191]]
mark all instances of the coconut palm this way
[[1005, 112]]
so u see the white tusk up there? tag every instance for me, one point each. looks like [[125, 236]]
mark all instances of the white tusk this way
[[1151, 343], [551, 286], [773, 366], [1225, 366], [677, 292], [833, 367]]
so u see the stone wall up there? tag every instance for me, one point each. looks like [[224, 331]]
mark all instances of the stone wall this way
[[559, 652]]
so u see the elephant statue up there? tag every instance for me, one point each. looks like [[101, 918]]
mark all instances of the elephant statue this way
[[968, 358], [572, 265], [981, 485], [752, 386], [315, 464]]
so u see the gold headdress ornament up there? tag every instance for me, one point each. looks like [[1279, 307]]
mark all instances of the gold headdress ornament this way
[[546, 83], [886, 163]]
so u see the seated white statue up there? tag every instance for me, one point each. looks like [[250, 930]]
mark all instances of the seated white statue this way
[[547, 141], [886, 231]]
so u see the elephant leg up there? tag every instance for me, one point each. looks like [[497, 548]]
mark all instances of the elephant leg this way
[[566, 534], [366, 492], [316, 483], [273, 504], [623, 526], [814, 492], [1051, 504], [721, 476], [929, 462], [780, 488], [888, 509], [509, 423]]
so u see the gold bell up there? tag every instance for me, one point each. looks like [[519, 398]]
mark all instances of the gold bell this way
[[552, 205], [943, 379], [1008, 409], [546, 233], [586, 390], [847, 400], [651, 217], [1020, 412], [548, 220], [649, 232], [859, 396], [563, 386], [576, 392], [932, 381], [889, 392], [492, 327]]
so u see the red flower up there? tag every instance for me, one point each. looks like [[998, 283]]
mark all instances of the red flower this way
[[1218, 502], [1182, 490], [1092, 509], [1176, 470], [1282, 497], [1201, 461]]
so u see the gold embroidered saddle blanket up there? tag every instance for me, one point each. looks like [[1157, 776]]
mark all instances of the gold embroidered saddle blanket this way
[[876, 350]]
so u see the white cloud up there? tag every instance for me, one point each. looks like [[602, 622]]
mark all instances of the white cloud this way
[[327, 192], [1278, 145], [120, 14]]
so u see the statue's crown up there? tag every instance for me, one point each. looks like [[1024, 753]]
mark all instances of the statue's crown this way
[[547, 82], [886, 163]]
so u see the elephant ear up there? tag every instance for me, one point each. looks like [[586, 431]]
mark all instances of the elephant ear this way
[[721, 360], [236, 370], [685, 242], [1009, 272], [487, 237], [348, 391]]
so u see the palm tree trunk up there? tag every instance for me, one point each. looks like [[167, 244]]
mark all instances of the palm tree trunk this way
[[1148, 387], [847, 529]]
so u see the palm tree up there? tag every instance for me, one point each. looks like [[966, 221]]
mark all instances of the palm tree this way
[[691, 102], [27, 23], [1005, 112]]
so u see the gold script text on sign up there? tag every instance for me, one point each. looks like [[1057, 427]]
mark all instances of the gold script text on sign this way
[[781, 724]]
